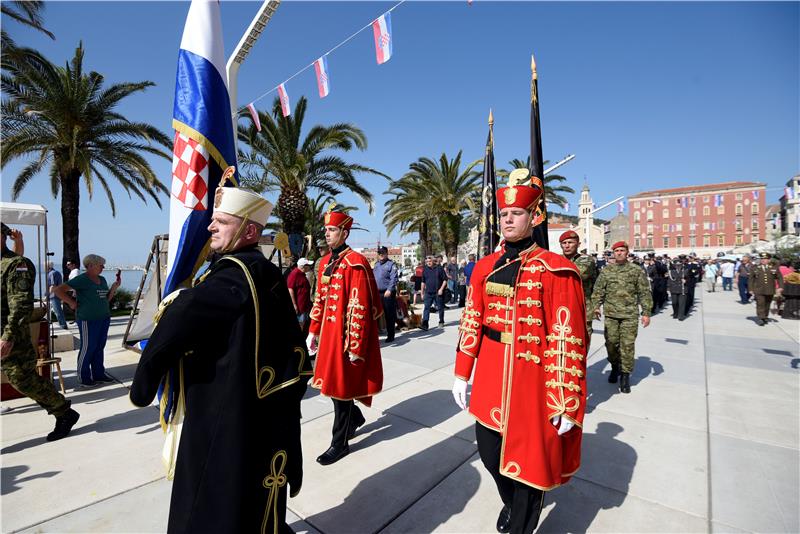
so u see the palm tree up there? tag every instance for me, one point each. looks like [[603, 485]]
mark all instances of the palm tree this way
[[434, 196], [28, 13], [552, 192], [279, 161], [64, 120]]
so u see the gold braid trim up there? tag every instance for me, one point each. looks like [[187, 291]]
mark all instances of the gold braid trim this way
[[565, 385], [530, 284], [530, 302], [529, 337], [574, 371], [498, 320], [274, 481], [569, 339], [499, 306], [567, 354], [530, 320], [528, 355], [499, 290]]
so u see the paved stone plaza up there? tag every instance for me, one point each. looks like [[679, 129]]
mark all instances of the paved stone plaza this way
[[707, 441]]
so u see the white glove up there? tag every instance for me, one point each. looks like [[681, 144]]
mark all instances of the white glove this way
[[460, 393], [353, 359], [564, 425], [311, 343]]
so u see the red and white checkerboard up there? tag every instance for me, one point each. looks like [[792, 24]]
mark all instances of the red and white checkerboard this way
[[190, 172]]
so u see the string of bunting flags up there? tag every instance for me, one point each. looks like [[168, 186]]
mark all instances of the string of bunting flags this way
[[382, 36]]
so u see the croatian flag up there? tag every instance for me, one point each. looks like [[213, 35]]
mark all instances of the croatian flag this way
[[254, 114], [382, 30], [755, 195], [717, 201], [203, 149], [656, 201], [286, 107], [321, 68], [789, 192], [684, 202], [566, 206], [621, 206]]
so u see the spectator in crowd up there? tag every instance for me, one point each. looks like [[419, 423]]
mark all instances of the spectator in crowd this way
[[72, 267], [743, 279], [451, 269], [462, 284], [434, 281], [726, 270], [417, 278], [386, 277], [93, 314], [710, 276], [54, 279], [300, 292]]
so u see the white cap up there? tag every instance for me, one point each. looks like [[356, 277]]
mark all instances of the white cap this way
[[242, 203], [302, 262]]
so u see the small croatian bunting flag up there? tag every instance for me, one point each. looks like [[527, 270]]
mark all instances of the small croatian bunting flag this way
[[566, 206], [382, 30], [684, 202], [254, 114], [656, 201], [321, 68], [286, 107], [789, 192], [717, 201], [755, 195], [621, 206]]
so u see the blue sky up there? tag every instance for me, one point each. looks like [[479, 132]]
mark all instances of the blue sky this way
[[647, 95]]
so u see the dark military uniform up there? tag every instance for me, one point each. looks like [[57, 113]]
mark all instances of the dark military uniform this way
[[677, 286], [622, 290], [244, 368], [588, 268], [693, 276], [18, 276], [763, 279]]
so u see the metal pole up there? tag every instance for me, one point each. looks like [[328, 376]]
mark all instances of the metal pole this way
[[559, 164], [239, 54], [592, 212]]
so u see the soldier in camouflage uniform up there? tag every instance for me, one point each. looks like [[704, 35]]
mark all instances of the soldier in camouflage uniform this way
[[622, 288], [16, 348], [569, 241]]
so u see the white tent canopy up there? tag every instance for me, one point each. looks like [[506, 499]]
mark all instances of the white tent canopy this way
[[27, 214]]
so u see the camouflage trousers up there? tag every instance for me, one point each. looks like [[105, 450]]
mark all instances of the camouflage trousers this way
[[20, 368], [589, 327], [620, 337]]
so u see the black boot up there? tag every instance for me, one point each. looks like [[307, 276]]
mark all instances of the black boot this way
[[63, 425], [612, 377], [625, 383], [356, 422], [424, 326], [504, 520], [333, 454]]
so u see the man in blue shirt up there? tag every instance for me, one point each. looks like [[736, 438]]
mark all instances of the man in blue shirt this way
[[468, 268], [55, 279], [434, 280], [385, 272]]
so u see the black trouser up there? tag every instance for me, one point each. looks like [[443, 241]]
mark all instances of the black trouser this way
[[689, 298], [525, 501], [462, 295], [678, 305], [389, 312], [346, 416]]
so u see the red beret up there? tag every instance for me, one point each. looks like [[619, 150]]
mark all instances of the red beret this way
[[518, 196], [569, 234], [337, 218], [619, 244]]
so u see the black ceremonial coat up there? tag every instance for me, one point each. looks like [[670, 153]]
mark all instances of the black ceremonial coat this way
[[240, 443]]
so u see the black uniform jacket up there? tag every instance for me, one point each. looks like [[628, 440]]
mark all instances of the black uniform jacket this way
[[241, 432]]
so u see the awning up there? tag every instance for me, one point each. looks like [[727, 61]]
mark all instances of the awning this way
[[27, 214]]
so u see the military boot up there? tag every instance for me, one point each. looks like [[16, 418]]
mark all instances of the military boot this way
[[504, 520], [612, 377], [64, 424], [625, 383]]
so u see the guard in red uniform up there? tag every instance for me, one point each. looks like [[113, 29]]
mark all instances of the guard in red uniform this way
[[344, 329], [523, 332]]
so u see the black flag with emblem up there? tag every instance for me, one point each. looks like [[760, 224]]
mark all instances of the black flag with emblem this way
[[488, 234], [537, 164]]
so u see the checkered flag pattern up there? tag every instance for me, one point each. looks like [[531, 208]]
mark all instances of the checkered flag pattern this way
[[190, 172]]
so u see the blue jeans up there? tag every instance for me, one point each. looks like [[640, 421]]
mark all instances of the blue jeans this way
[[55, 306], [428, 300], [92, 352], [744, 293], [727, 284]]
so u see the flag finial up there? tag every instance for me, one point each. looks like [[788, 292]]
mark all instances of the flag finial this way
[[491, 117], [533, 67]]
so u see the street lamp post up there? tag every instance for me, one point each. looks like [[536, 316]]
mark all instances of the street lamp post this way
[[239, 54]]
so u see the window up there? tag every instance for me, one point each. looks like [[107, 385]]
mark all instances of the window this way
[[691, 200], [721, 210], [650, 241], [692, 227], [739, 210], [706, 240], [637, 243], [738, 224], [677, 201], [649, 215], [665, 228], [636, 216], [665, 242], [679, 241], [665, 213], [706, 225], [754, 224], [754, 208], [636, 205], [721, 225], [649, 228], [679, 227], [706, 210], [739, 240], [678, 212], [738, 196], [637, 228], [692, 212], [721, 240], [705, 199], [649, 203]]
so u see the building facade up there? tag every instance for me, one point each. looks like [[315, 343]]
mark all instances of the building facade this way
[[618, 229], [596, 242], [704, 219]]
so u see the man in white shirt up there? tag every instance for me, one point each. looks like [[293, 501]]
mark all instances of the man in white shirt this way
[[727, 271]]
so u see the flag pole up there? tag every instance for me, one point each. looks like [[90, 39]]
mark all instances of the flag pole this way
[[488, 235], [537, 163]]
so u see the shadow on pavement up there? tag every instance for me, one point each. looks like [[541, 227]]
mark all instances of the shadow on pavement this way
[[600, 390], [11, 482], [415, 333], [385, 488], [578, 502]]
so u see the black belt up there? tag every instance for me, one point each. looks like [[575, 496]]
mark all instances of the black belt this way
[[494, 335]]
